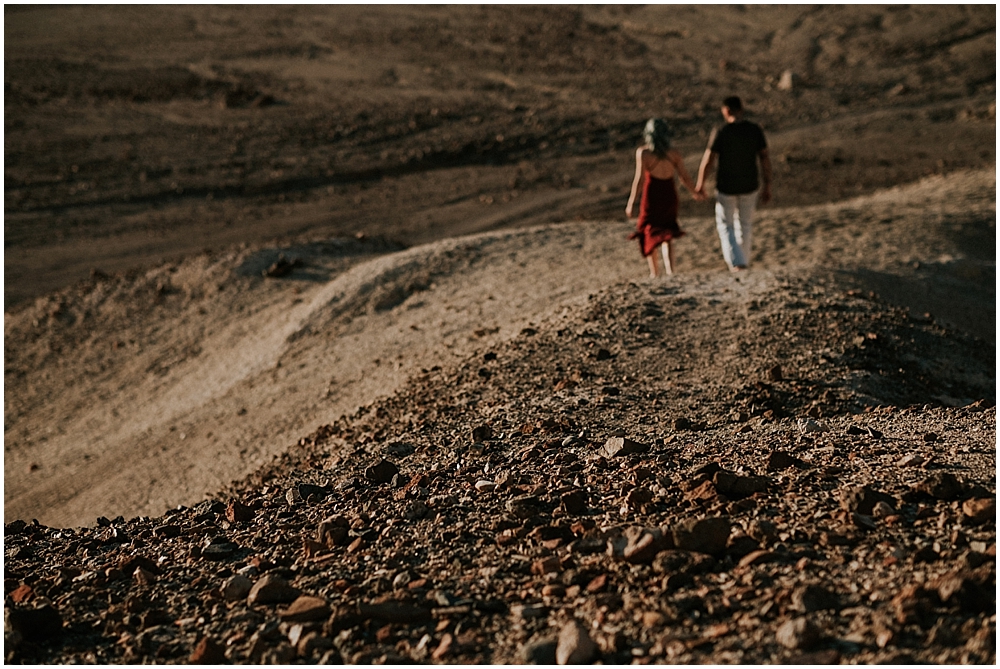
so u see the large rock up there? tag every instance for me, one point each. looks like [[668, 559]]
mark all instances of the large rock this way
[[305, 609], [941, 485], [381, 472], [703, 535], [737, 487], [862, 499], [272, 589], [798, 634], [575, 645]]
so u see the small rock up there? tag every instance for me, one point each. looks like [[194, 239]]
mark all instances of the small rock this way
[[786, 82], [21, 593], [798, 634], [774, 374], [882, 509], [394, 612], [807, 426], [737, 487], [862, 499], [980, 510], [237, 512], [524, 506], [415, 510], [144, 576], [236, 587], [539, 651], [271, 589], [207, 652], [762, 530], [482, 433], [863, 522], [779, 460], [485, 485], [911, 460], [575, 645], [219, 551], [574, 502], [382, 472], [334, 531], [529, 611], [305, 609], [637, 498], [814, 597], [547, 565], [553, 590], [616, 446], [443, 647], [756, 557], [941, 485], [643, 544]]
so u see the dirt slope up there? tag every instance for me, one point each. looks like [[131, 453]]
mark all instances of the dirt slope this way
[[204, 370]]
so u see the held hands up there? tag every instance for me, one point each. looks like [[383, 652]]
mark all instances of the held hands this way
[[765, 194]]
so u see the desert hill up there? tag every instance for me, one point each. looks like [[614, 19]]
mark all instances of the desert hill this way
[[323, 340], [774, 466], [204, 369]]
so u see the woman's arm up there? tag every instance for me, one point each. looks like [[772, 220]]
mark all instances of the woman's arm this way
[[636, 183], [678, 162]]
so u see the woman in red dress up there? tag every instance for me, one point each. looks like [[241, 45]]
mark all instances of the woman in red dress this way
[[655, 166]]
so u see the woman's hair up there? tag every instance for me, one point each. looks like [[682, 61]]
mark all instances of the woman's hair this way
[[657, 135]]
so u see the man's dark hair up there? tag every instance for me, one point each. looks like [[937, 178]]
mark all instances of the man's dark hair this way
[[734, 103]]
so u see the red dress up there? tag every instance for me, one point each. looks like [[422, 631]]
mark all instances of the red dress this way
[[657, 214]]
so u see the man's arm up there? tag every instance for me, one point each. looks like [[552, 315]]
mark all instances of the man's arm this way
[[765, 171], [707, 161]]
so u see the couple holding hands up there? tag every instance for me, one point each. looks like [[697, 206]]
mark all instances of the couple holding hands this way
[[736, 146]]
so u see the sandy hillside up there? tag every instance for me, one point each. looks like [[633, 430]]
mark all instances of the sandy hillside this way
[[204, 370], [324, 343]]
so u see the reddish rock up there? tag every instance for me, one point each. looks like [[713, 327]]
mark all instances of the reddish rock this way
[[207, 652], [305, 609], [980, 510], [271, 589], [237, 512], [21, 593]]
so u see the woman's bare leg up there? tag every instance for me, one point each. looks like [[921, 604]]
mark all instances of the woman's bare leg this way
[[651, 259], [668, 256]]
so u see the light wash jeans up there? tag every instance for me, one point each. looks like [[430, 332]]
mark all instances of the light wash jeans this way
[[733, 218]]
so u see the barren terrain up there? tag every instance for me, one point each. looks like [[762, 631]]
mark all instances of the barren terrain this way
[[337, 304]]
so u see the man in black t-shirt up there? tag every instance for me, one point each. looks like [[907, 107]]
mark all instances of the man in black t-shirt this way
[[737, 147]]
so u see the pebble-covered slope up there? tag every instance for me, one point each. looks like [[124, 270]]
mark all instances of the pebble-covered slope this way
[[808, 476]]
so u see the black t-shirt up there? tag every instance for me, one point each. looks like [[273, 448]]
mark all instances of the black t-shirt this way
[[738, 145]]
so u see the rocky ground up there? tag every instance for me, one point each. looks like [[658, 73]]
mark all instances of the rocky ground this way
[[398, 231], [788, 490]]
